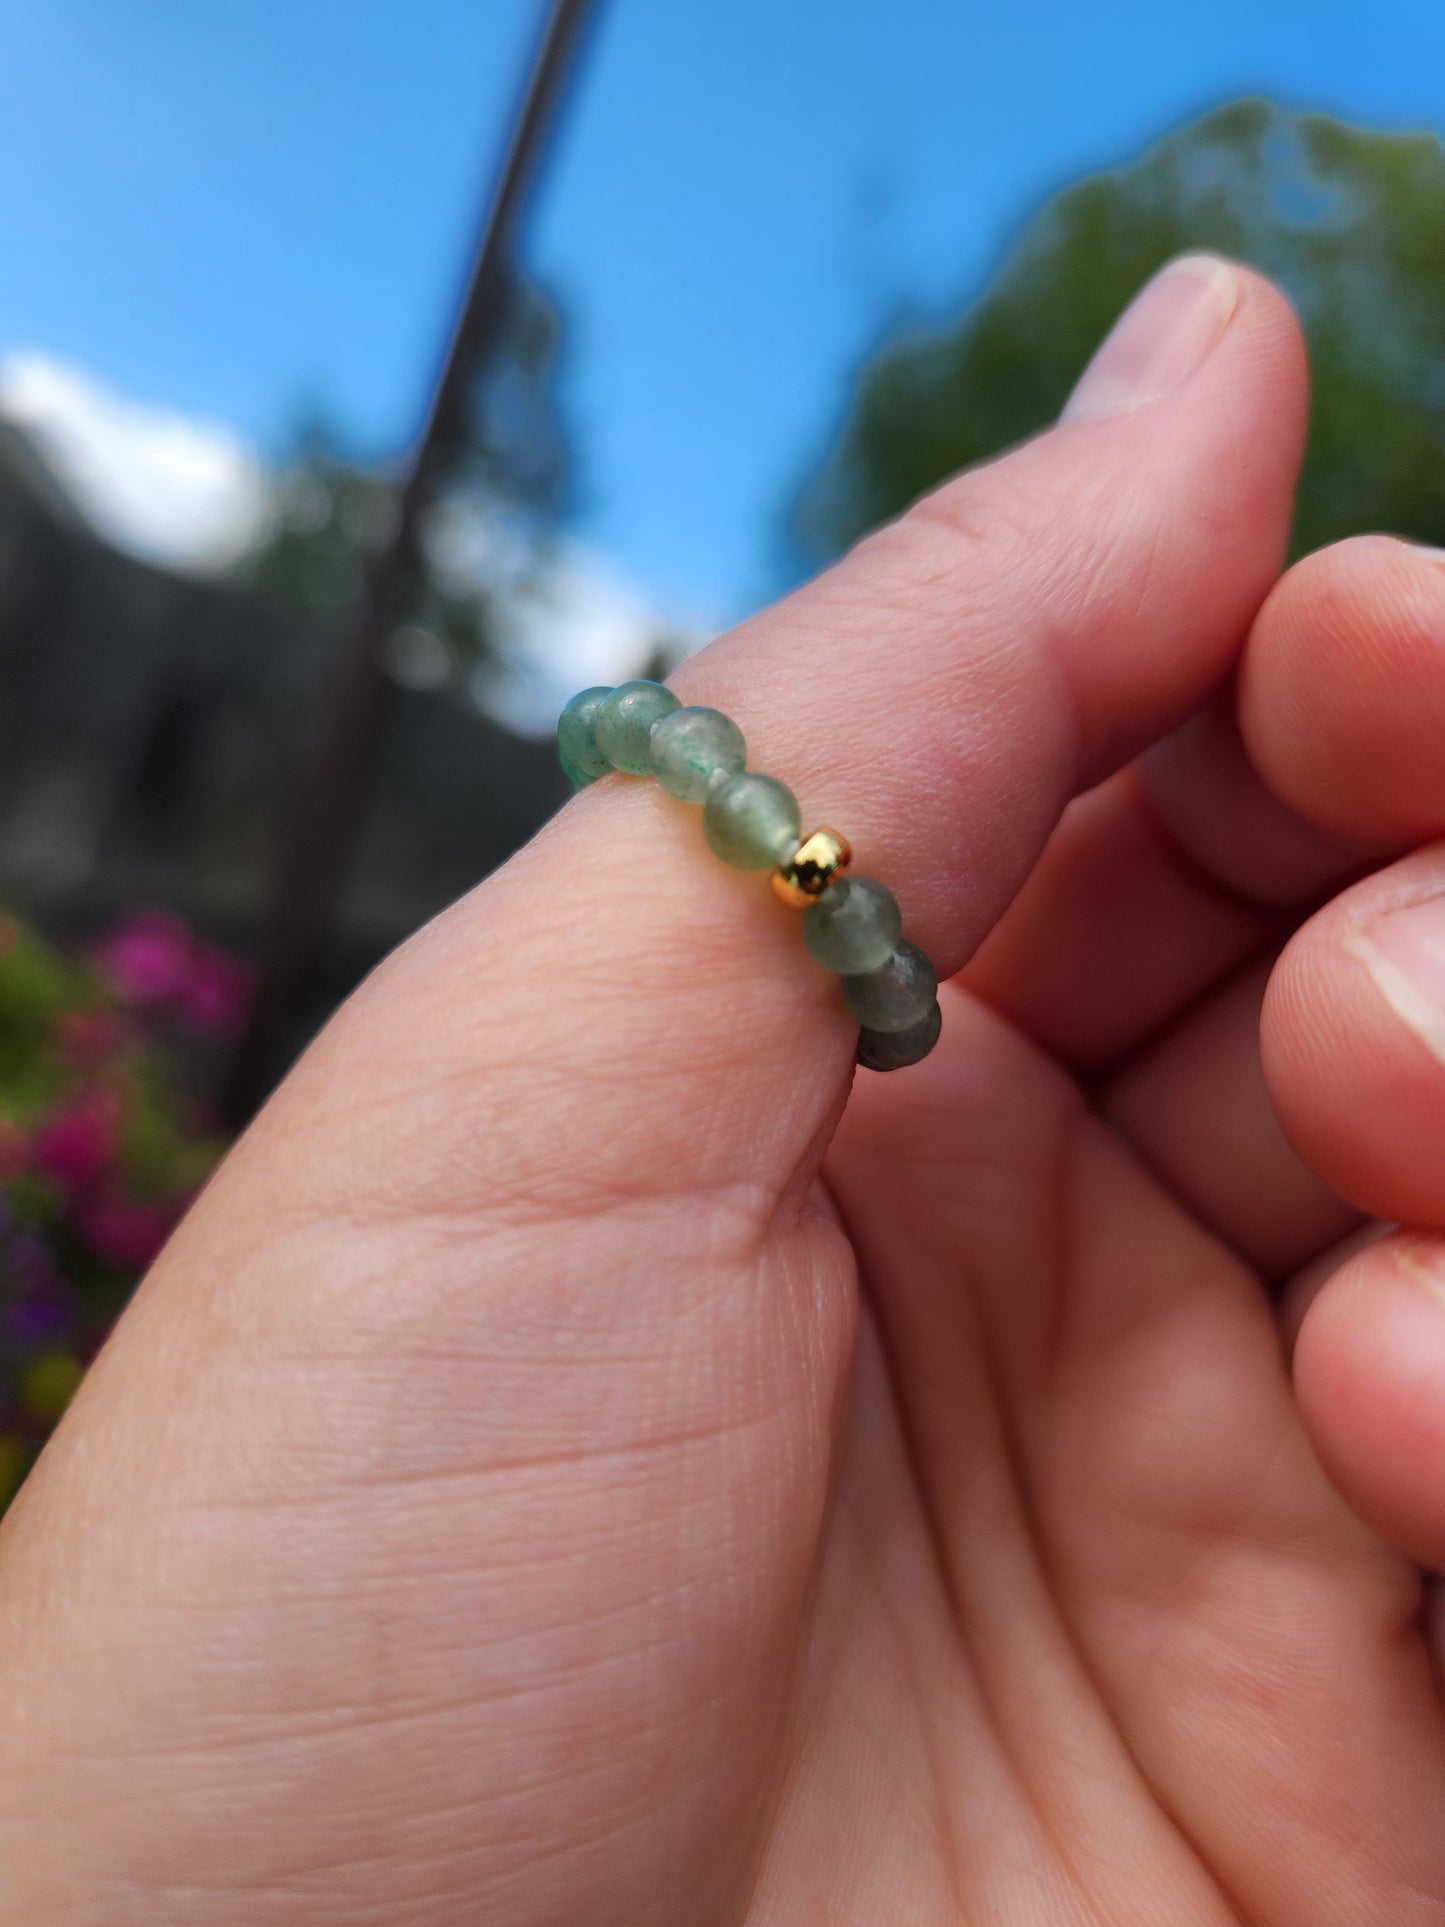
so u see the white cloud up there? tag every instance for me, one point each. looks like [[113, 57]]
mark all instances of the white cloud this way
[[586, 624], [193, 495], [185, 493]]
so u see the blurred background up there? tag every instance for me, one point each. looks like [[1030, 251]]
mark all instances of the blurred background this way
[[291, 590]]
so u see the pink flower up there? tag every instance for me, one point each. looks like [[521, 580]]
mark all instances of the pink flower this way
[[125, 1233], [85, 1037], [156, 960], [217, 992], [77, 1145], [148, 958]]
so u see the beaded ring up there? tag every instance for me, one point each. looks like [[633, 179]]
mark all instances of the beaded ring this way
[[851, 924]]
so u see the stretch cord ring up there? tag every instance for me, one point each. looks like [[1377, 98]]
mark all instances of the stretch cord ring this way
[[851, 924]]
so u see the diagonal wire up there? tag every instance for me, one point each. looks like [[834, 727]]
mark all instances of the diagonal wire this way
[[333, 789]]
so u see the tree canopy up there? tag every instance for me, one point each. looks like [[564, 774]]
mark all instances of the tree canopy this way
[[505, 486], [1351, 223]]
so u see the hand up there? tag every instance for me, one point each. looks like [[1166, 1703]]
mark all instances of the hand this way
[[580, 1463]]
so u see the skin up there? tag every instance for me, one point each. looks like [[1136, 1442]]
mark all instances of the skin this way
[[584, 1461]]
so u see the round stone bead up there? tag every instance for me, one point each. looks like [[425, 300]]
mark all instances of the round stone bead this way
[[577, 746], [625, 723], [854, 926], [751, 821], [694, 749], [895, 1050], [897, 994]]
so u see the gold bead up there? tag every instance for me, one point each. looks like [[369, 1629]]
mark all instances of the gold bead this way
[[812, 867]]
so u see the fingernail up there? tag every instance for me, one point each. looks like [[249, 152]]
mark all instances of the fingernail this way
[[1404, 952], [1419, 1259], [1162, 336]]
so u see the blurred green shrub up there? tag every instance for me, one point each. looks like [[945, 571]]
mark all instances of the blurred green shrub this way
[[1350, 223], [104, 1140]]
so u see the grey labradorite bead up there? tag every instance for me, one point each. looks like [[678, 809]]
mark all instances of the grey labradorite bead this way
[[895, 996], [895, 1050], [751, 821], [625, 721], [694, 749], [854, 926], [577, 746]]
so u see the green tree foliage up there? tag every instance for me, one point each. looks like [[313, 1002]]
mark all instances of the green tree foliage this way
[[504, 488], [1351, 224]]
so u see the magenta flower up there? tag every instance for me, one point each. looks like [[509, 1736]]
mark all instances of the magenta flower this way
[[124, 1232], [75, 1146], [155, 960], [147, 959], [217, 992]]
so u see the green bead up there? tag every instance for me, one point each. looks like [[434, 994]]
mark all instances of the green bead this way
[[625, 723], [577, 746], [895, 1050], [897, 994], [694, 749], [854, 926], [751, 821]]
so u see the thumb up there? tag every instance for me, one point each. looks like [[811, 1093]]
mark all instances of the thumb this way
[[635, 1014]]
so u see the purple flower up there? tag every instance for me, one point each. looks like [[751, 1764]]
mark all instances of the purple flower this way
[[28, 1261], [38, 1316]]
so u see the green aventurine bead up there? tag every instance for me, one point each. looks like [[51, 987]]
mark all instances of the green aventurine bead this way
[[895, 1050], [897, 994], [694, 749], [577, 746], [854, 926], [751, 821], [625, 721]]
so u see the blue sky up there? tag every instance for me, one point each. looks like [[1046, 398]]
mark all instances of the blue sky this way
[[244, 211]]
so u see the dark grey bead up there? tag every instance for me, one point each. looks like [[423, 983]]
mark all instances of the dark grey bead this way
[[894, 1050], [897, 994]]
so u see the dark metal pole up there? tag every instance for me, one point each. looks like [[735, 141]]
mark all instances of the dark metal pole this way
[[332, 793]]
